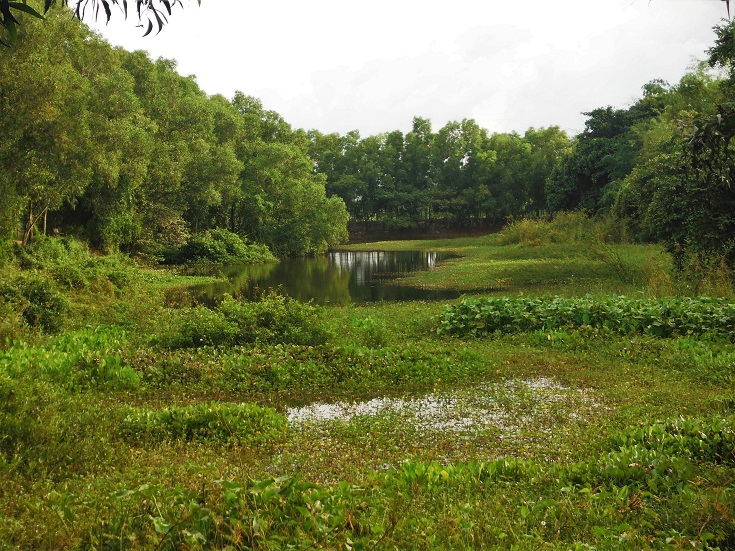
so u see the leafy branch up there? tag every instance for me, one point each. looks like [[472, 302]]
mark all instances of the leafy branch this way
[[156, 12]]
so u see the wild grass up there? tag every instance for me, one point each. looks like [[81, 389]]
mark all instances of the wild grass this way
[[571, 255], [564, 436]]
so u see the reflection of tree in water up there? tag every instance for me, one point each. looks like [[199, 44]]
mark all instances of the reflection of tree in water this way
[[372, 265], [314, 279], [240, 279], [338, 278]]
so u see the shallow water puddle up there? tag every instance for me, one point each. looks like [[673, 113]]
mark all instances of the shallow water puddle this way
[[531, 418], [507, 407]]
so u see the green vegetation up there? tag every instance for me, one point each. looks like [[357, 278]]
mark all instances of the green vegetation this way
[[271, 320], [580, 396], [582, 420], [224, 423], [678, 317], [124, 152], [220, 247]]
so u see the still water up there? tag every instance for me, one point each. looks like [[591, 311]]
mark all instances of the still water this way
[[340, 277]]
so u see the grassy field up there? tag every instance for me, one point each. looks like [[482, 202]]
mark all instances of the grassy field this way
[[135, 424]]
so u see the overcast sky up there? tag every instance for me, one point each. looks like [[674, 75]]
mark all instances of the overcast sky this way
[[341, 65]]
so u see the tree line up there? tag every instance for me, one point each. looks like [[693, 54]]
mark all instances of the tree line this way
[[122, 150], [665, 164], [460, 173], [125, 152]]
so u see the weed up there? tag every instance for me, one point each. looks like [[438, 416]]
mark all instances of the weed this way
[[373, 332], [272, 319], [618, 315], [217, 423]]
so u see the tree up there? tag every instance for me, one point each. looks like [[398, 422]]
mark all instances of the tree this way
[[681, 190], [45, 146]]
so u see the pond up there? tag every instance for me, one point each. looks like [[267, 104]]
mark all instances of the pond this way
[[339, 277]]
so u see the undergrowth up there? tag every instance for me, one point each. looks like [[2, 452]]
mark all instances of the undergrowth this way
[[618, 315], [125, 424]]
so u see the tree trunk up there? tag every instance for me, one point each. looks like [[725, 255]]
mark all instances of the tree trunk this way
[[29, 225]]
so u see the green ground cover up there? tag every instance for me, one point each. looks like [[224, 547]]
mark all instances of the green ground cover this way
[[125, 425]]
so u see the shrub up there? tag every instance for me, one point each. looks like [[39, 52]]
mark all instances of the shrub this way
[[43, 433], [68, 276], [43, 252], [37, 300], [221, 247], [12, 324], [7, 252], [564, 227], [224, 423], [271, 320], [205, 327], [274, 319]]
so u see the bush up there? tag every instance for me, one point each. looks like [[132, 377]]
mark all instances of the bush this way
[[38, 301], [12, 324], [220, 247], [205, 327], [274, 319], [271, 320], [7, 252], [43, 433], [224, 423], [43, 252], [68, 276], [564, 227]]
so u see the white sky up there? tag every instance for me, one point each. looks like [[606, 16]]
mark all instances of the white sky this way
[[341, 65]]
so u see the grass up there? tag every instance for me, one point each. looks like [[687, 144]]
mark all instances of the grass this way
[[566, 269], [550, 437]]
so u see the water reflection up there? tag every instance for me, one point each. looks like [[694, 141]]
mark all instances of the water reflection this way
[[340, 277]]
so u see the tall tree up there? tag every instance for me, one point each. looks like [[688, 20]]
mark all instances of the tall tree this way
[[45, 146], [681, 192]]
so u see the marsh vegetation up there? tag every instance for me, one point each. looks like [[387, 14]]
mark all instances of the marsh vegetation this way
[[596, 413]]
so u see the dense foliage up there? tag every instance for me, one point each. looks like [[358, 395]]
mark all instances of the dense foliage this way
[[218, 423], [272, 319], [220, 246], [119, 149], [461, 174], [661, 318]]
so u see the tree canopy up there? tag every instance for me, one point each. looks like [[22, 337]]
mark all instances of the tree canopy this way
[[124, 151]]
